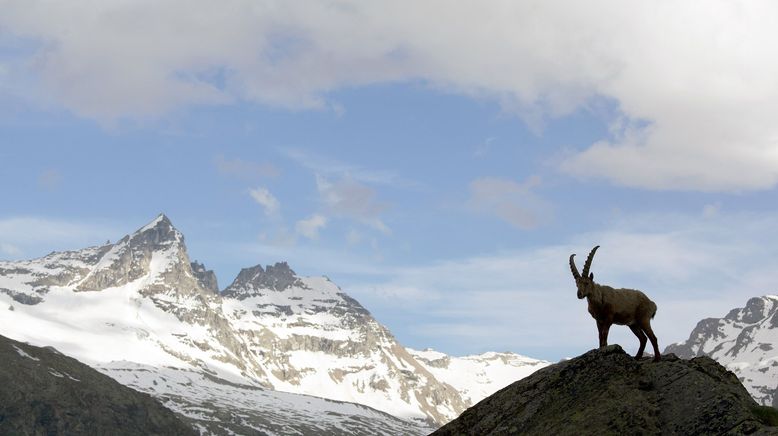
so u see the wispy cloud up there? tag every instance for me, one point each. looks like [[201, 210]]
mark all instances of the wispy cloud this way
[[512, 202], [267, 200], [335, 168], [310, 227], [484, 147], [351, 199]]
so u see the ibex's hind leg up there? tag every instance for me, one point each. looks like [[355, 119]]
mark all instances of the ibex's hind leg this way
[[645, 325], [641, 337]]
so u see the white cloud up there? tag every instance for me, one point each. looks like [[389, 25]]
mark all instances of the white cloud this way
[[310, 227], [510, 201], [267, 200], [698, 101]]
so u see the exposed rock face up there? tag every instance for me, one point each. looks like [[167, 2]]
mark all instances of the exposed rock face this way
[[605, 391], [745, 342], [252, 281], [45, 392], [206, 277]]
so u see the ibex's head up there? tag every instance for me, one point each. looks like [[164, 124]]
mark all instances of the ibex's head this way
[[585, 282]]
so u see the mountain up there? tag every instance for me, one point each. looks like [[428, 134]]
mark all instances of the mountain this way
[[745, 342], [480, 375], [45, 392], [312, 338], [140, 308], [606, 391]]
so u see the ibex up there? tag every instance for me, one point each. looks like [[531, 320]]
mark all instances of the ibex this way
[[610, 306]]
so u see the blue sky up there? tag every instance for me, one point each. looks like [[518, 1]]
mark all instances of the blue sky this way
[[439, 166]]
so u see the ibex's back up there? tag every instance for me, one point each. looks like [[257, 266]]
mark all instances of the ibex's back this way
[[610, 306]]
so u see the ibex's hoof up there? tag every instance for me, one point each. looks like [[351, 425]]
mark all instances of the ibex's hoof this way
[[657, 359], [638, 357]]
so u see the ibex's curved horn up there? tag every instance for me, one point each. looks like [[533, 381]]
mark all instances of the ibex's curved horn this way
[[573, 268], [589, 261]]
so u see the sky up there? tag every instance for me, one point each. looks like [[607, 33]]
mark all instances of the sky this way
[[438, 161]]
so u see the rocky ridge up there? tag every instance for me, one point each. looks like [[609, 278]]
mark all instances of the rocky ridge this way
[[606, 391]]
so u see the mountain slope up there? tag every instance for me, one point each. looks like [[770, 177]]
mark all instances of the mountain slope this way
[[745, 342], [217, 406], [45, 392]]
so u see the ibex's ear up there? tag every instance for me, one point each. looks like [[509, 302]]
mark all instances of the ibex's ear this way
[[591, 276]]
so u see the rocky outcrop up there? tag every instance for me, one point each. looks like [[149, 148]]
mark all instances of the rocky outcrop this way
[[252, 281], [206, 277], [45, 392], [605, 391]]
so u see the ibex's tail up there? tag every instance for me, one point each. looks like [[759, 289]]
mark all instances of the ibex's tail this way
[[653, 311]]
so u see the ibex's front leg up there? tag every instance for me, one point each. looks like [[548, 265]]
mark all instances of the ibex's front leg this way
[[603, 329]]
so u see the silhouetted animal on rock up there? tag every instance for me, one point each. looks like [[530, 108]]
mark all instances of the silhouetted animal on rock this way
[[610, 306]]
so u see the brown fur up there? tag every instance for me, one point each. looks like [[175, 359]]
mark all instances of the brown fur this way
[[610, 306]]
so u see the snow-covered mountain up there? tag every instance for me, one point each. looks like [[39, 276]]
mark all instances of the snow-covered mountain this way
[[478, 376], [141, 311], [744, 341]]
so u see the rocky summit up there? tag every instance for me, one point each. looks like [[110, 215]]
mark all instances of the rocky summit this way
[[45, 392], [606, 391]]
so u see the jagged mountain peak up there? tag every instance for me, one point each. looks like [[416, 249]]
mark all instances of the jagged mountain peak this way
[[277, 277], [755, 310], [156, 251], [159, 231]]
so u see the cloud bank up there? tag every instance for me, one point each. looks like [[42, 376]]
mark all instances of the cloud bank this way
[[693, 84]]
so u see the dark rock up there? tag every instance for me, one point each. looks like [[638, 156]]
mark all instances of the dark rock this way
[[605, 391], [206, 277], [251, 281], [21, 297], [45, 392]]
